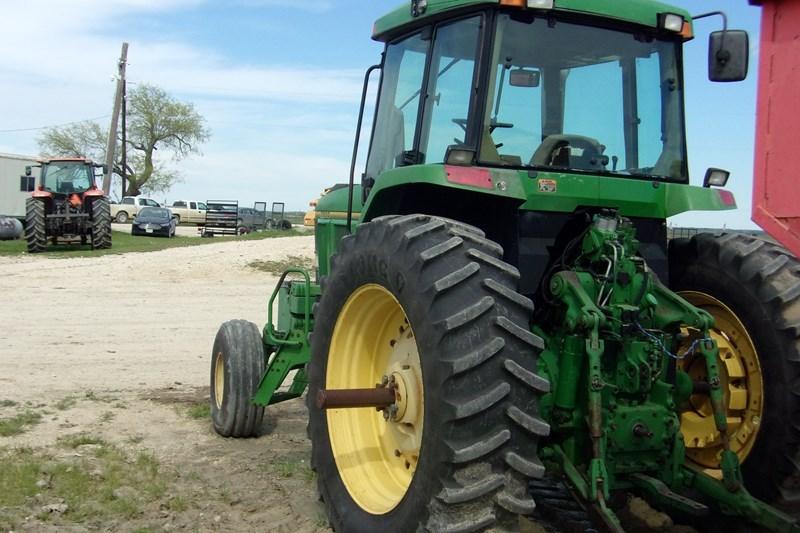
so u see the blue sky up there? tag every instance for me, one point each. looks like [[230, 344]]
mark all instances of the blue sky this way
[[279, 81]]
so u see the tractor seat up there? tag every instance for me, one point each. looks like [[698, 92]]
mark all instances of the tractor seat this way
[[569, 151]]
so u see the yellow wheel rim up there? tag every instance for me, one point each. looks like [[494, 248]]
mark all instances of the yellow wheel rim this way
[[376, 457], [219, 380], [740, 374]]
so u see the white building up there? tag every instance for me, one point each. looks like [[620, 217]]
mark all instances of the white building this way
[[15, 186]]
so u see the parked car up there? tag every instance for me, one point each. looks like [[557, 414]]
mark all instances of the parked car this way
[[154, 221], [129, 207], [190, 211]]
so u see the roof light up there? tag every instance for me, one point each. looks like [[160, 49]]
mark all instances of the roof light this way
[[670, 22]]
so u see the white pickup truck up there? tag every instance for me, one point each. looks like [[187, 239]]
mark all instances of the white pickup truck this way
[[188, 211], [129, 207]]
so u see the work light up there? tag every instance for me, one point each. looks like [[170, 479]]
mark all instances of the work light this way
[[670, 22], [716, 177]]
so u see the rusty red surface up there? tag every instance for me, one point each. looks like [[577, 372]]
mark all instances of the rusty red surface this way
[[776, 195]]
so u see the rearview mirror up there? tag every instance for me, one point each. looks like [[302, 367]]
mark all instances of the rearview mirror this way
[[728, 55], [524, 78], [28, 171]]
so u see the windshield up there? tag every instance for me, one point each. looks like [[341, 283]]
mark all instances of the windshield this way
[[153, 212], [571, 97], [67, 177]]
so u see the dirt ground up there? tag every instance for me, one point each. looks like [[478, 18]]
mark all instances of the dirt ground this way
[[115, 349], [104, 426]]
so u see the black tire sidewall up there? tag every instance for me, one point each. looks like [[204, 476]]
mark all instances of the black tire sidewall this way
[[356, 268], [237, 342], [761, 469]]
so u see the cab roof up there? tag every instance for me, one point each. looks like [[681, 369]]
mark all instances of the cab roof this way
[[642, 12]]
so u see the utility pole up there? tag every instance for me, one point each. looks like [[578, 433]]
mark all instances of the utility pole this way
[[124, 133], [112, 132]]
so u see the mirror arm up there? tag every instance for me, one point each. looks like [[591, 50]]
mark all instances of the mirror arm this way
[[722, 55]]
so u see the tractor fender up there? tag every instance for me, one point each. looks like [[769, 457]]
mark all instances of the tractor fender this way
[[93, 192], [41, 193], [412, 187]]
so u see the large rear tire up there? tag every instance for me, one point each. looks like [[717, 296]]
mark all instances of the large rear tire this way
[[35, 226], [101, 224], [752, 288], [237, 366], [430, 302]]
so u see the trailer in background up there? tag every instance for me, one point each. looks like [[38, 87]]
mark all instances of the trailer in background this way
[[776, 197], [222, 218], [15, 186]]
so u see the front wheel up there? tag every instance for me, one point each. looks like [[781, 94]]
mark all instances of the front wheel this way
[[752, 289], [429, 305], [237, 366], [121, 218]]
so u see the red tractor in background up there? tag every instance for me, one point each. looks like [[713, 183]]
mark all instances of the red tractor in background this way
[[67, 206]]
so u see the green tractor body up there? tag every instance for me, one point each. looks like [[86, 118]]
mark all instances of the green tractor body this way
[[504, 271]]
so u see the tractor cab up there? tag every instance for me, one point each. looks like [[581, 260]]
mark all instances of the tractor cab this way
[[64, 177], [67, 177], [554, 95]]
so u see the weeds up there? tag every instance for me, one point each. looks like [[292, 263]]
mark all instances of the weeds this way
[[200, 410], [294, 469], [81, 439], [18, 424], [65, 403]]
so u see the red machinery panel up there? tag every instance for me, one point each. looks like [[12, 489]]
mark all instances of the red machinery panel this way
[[776, 187]]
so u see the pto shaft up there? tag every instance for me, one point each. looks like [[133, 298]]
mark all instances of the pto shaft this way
[[378, 397]]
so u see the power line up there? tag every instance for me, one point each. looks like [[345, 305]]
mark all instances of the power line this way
[[55, 125]]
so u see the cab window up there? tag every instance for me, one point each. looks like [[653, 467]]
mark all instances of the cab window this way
[[398, 104], [450, 90]]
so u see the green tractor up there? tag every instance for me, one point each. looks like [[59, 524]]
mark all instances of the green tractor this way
[[500, 326]]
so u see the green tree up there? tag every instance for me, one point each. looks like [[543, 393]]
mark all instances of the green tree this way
[[157, 123]]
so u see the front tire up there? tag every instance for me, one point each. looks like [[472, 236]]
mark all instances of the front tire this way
[[752, 288], [436, 289], [35, 226], [101, 224], [121, 218], [237, 366]]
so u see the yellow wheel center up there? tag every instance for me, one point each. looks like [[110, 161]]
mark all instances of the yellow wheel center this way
[[741, 379], [376, 452], [219, 380]]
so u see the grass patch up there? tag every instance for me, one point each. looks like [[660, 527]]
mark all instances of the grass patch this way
[[280, 266], [81, 439], [106, 483], [123, 242], [201, 410], [7, 403], [294, 469], [20, 423], [107, 416], [65, 403]]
